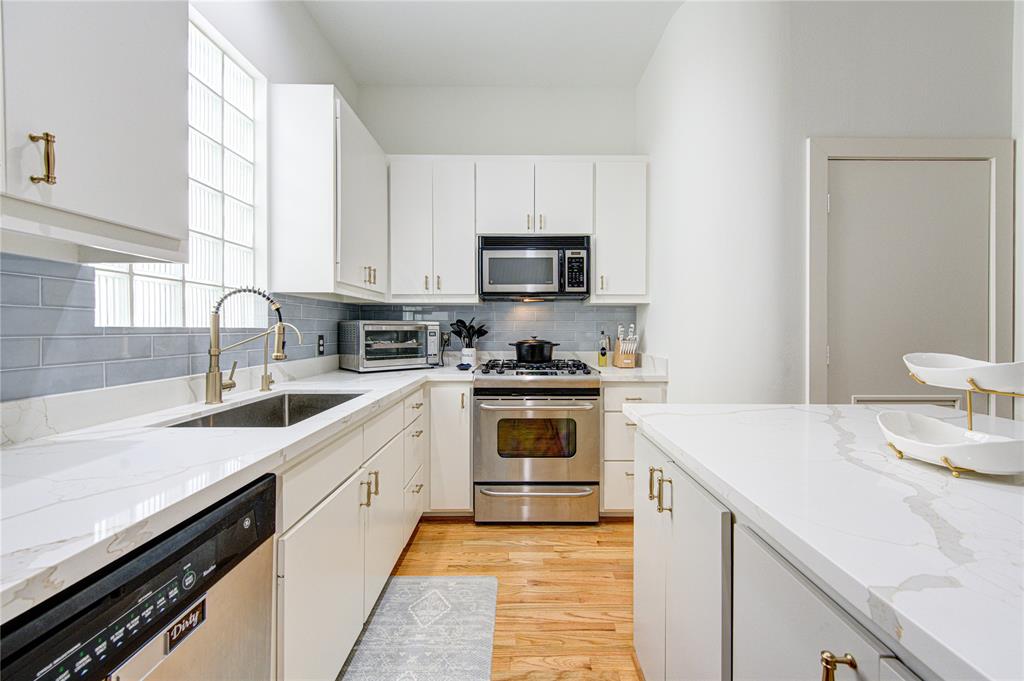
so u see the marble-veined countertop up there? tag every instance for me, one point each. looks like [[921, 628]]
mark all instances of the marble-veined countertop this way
[[932, 563]]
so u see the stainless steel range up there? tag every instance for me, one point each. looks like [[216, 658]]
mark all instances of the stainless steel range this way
[[536, 442]]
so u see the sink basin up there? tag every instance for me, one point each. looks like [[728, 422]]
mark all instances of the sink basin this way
[[279, 411]]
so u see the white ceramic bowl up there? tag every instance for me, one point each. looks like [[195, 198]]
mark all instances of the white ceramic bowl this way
[[952, 371], [929, 439]]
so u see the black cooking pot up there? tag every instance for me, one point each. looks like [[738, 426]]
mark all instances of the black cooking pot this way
[[534, 351]]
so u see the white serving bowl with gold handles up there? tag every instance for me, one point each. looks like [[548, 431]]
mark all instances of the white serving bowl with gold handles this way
[[953, 371], [955, 447]]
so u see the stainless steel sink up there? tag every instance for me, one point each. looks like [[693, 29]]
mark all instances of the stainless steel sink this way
[[279, 411]]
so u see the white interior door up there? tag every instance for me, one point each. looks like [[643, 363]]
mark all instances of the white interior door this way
[[412, 205], [908, 270], [454, 228], [564, 197]]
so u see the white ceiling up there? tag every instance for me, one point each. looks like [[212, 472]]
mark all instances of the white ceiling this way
[[481, 43]]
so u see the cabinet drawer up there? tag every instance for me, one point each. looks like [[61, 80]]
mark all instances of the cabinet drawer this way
[[381, 429], [303, 486], [415, 494], [616, 396], [415, 405], [417, 447], [768, 590], [619, 433], [617, 485]]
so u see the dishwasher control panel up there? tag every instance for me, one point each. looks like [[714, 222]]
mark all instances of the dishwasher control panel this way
[[121, 611]]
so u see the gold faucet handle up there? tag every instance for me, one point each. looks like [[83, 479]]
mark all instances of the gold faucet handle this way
[[229, 382]]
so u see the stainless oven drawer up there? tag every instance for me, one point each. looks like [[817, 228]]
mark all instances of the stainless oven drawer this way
[[537, 503]]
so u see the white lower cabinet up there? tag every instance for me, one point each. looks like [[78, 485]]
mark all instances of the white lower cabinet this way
[[782, 622], [385, 519], [415, 494], [451, 447], [320, 585], [682, 562], [618, 438], [617, 485]]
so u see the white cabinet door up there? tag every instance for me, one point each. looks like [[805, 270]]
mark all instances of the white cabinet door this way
[[781, 622], [564, 197], [109, 81], [385, 519], [698, 587], [451, 448], [650, 537], [320, 565], [504, 197], [412, 241], [455, 249], [415, 493], [619, 434], [620, 236], [362, 204]]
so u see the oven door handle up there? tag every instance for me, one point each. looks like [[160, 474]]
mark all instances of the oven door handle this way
[[543, 407], [581, 492]]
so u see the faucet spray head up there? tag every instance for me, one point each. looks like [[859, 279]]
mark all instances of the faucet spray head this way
[[279, 332]]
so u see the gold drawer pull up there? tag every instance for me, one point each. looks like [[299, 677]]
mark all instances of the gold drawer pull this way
[[632, 399], [418, 405], [418, 433], [629, 474], [661, 494], [650, 482], [829, 662], [49, 175], [376, 482], [369, 493], [417, 489]]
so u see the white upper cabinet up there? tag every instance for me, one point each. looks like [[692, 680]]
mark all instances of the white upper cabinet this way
[[328, 189], [433, 239], [108, 81], [412, 228], [564, 197], [455, 250], [504, 197], [620, 237]]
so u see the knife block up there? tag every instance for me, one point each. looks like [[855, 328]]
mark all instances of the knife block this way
[[621, 360]]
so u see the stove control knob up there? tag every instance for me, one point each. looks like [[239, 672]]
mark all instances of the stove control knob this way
[[586, 371], [501, 371], [485, 370], [572, 371]]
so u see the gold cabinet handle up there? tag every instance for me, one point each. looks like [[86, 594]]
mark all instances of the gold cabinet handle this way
[[439, 282], [462, 400], [602, 282], [418, 405], [418, 489], [376, 482], [373, 276], [629, 474], [829, 662], [650, 482], [632, 399], [661, 494], [49, 175], [426, 282], [369, 493], [418, 433], [542, 221], [366, 274], [528, 219]]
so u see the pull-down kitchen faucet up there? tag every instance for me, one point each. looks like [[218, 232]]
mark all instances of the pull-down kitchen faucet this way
[[216, 384]]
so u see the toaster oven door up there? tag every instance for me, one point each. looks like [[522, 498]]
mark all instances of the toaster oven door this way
[[393, 345]]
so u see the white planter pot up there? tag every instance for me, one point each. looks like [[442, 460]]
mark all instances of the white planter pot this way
[[469, 356]]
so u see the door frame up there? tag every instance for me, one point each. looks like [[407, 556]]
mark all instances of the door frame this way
[[997, 152]]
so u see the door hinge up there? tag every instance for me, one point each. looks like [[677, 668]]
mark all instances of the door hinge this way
[[828, 204], [828, 355]]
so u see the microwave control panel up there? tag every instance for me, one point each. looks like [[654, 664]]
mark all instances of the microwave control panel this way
[[576, 271]]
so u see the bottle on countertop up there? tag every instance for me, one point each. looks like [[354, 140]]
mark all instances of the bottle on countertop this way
[[602, 350]]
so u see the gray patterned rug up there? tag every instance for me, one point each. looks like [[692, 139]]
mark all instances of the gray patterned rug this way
[[427, 629]]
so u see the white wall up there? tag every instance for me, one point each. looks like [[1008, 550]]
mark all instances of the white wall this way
[[499, 120], [281, 39], [724, 108]]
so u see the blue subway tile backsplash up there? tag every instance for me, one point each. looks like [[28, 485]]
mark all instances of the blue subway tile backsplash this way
[[50, 344]]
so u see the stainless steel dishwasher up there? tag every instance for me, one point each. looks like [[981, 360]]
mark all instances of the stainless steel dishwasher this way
[[193, 603]]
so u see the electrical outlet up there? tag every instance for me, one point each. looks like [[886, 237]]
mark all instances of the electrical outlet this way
[[320, 345]]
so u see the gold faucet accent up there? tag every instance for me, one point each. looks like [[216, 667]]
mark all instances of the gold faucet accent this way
[[216, 384]]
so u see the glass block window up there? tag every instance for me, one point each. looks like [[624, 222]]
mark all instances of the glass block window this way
[[222, 211]]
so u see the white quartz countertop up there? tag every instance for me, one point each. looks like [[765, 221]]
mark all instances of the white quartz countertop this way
[[934, 563], [72, 503]]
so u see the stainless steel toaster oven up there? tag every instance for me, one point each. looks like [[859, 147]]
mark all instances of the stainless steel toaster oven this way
[[388, 345]]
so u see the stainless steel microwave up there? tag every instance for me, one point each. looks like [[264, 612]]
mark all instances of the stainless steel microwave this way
[[388, 345], [534, 268]]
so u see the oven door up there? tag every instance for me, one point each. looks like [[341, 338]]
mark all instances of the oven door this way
[[536, 440], [393, 345], [523, 271]]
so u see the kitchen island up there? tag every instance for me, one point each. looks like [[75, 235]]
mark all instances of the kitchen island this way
[[926, 569]]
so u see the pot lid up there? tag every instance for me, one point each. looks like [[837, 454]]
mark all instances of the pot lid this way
[[533, 341]]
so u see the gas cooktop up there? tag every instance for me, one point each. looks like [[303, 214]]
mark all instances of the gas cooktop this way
[[561, 372]]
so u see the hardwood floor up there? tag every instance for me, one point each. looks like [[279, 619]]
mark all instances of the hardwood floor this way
[[565, 593]]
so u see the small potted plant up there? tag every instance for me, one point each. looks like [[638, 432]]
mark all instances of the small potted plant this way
[[468, 334]]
